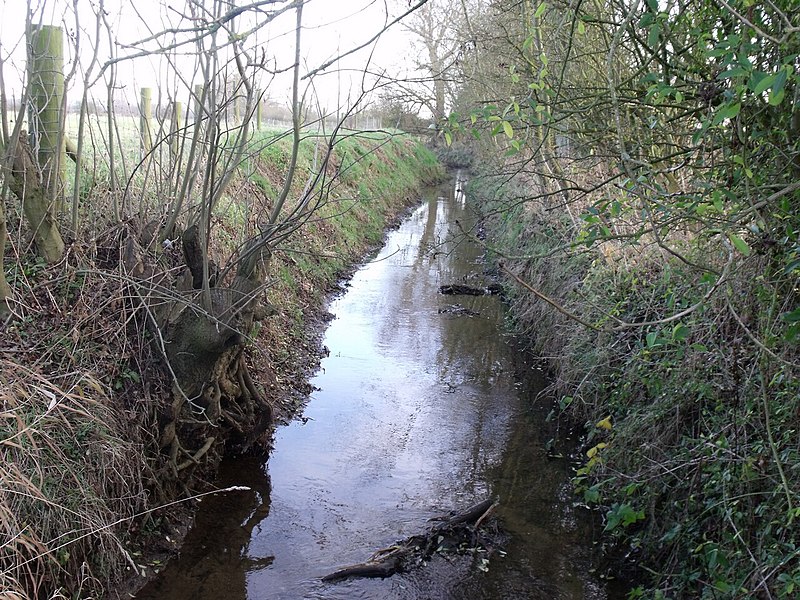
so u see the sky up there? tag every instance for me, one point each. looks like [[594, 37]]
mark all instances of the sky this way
[[331, 27]]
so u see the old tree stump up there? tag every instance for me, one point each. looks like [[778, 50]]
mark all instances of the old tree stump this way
[[202, 335]]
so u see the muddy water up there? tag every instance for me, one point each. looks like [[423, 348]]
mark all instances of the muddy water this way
[[423, 406]]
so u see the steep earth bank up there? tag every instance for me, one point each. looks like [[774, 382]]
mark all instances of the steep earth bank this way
[[90, 503]]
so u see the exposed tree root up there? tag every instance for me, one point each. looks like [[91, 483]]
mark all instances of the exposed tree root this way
[[214, 399]]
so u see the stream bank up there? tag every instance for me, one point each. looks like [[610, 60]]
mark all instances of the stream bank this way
[[378, 178], [93, 506], [423, 405]]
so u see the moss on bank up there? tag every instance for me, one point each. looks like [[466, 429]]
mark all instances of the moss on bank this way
[[691, 424], [82, 382]]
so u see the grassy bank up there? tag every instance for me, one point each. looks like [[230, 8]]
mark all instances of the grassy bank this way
[[686, 383], [87, 497]]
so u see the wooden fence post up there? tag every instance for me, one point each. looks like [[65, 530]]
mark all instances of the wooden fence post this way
[[5, 290], [199, 107], [46, 115], [198, 100], [259, 110], [146, 121], [175, 129]]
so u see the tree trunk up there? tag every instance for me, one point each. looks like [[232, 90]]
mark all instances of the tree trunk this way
[[213, 390], [214, 398], [36, 203]]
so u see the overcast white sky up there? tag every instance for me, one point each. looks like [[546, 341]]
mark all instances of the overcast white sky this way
[[330, 27]]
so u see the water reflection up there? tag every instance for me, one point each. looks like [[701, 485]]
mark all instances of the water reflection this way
[[419, 411], [212, 563]]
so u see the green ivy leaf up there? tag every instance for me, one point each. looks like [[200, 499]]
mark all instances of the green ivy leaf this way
[[736, 71], [509, 131], [526, 45], [780, 80], [591, 495], [653, 34], [739, 244], [724, 586], [761, 85], [789, 268], [623, 514], [792, 317], [726, 111], [775, 98], [540, 10], [717, 200], [651, 339], [680, 332]]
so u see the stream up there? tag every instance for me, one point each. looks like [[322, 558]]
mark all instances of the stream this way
[[423, 406]]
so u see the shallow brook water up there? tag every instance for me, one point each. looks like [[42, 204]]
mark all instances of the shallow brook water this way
[[423, 406]]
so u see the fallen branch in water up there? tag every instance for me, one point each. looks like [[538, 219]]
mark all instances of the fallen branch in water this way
[[451, 532], [456, 289]]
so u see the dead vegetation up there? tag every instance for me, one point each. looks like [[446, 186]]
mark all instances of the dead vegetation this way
[[72, 481]]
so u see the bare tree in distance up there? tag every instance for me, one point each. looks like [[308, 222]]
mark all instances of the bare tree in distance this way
[[444, 36]]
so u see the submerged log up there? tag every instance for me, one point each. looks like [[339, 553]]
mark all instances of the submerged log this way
[[413, 550], [471, 515], [458, 310], [381, 568], [456, 289]]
